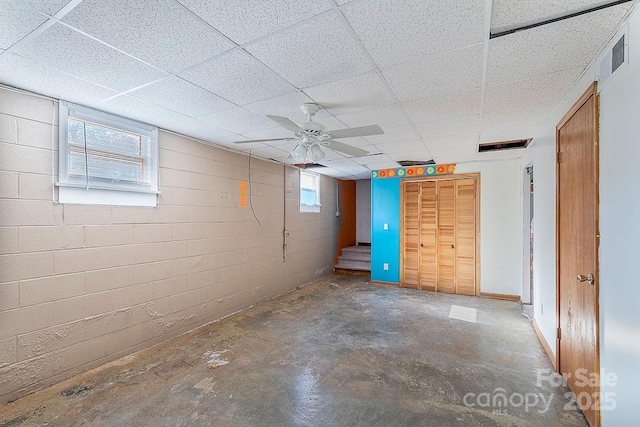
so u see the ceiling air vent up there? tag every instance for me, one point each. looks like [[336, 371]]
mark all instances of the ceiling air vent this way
[[613, 58], [407, 163], [503, 145]]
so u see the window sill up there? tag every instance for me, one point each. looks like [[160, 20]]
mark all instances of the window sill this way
[[80, 195], [310, 208]]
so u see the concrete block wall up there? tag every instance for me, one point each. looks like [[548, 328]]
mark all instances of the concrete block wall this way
[[82, 285]]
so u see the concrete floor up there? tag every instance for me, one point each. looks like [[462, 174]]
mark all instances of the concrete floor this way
[[337, 352]]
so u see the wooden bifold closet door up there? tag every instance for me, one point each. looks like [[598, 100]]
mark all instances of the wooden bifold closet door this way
[[439, 235]]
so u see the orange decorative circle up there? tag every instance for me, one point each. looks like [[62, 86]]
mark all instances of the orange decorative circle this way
[[392, 173], [420, 171], [382, 174], [452, 168], [411, 172], [441, 169]]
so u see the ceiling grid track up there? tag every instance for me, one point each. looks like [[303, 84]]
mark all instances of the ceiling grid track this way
[[485, 60]]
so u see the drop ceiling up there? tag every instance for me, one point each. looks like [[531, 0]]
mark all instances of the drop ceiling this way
[[426, 71]]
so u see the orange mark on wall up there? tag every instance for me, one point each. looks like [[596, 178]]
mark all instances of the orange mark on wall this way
[[243, 194], [347, 232]]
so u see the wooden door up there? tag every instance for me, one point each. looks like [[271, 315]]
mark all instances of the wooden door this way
[[411, 234], [428, 236], [465, 237], [577, 246], [446, 236]]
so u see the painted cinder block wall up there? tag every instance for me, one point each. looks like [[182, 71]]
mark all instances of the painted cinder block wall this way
[[82, 285]]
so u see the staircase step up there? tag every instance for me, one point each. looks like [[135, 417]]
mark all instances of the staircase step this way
[[357, 249], [354, 265], [355, 256]]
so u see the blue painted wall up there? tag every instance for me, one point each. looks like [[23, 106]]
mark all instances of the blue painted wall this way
[[385, 244]]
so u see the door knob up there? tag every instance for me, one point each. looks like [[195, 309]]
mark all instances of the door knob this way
[[588, 278], [421, 245], [453, 247]]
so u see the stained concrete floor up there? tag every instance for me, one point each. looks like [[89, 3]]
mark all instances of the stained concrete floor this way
[[336, 352]]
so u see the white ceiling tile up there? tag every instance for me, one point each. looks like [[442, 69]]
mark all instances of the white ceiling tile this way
[[395, 31], [509, 14], [246, 20], [287, 105], [546, 89], [197, 129], [136, 109], [357, 93], [338, 162], [160, 32], [17, 21], [374, 158], [454, 150], [386, 117], [238, 77], [385, 165], [394, 135], [528, 117], [50, 7], [67, 50], [352, 169], [269, 152], [29, 75], [563, 45], [419, 155], [457, 71], [449, 127], [401, 146], [445, 142], [182, 96], [456, 158], [313, 53], [335, 173], [330, 121], [443, 106], [237, 120]]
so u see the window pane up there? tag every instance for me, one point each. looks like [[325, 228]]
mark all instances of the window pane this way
[[104, 138], [104, 169], [308, 197], [76, 133], [307, 181]]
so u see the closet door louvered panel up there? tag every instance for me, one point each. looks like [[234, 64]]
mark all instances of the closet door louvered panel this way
[[428, 236], [446, 236], [411, 234], [465, 237]]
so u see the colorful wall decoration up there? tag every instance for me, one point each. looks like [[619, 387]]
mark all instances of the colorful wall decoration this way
[[413, 171]]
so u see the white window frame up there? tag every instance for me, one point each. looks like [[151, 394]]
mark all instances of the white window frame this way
[[104, 194], [315, 208]]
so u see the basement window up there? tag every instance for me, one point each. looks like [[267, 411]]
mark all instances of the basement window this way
[[106, 159], [309, 192]]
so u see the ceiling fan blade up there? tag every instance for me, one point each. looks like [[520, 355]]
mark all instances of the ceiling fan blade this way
[[285, 123], [249, 141], [346, 149], [359, 131]]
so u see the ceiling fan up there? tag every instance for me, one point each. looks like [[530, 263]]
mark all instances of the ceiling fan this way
[[311, 136]]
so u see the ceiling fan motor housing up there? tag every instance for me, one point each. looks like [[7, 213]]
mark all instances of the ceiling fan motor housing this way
[[312, 128]]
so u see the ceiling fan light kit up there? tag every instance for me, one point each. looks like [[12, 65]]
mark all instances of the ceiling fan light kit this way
[[311, 135]]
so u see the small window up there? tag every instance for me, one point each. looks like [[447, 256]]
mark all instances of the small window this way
[[309, 192], [106, 159]]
